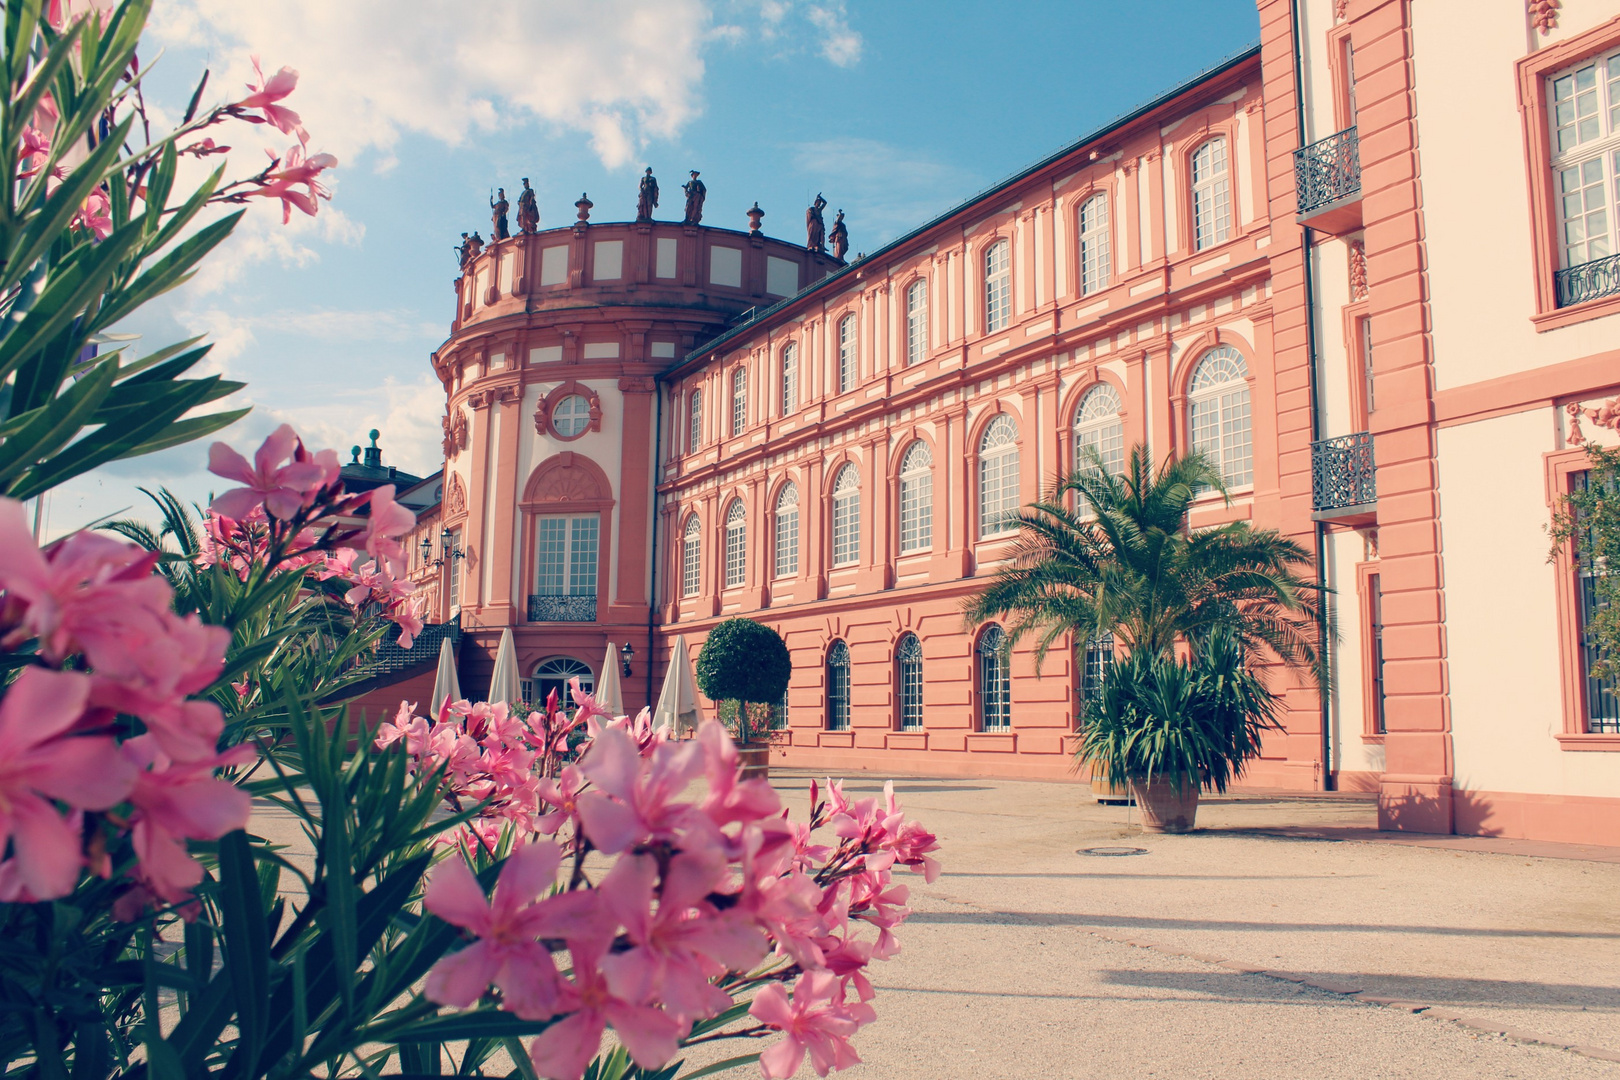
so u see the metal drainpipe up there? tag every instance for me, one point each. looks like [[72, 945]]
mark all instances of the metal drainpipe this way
[[652, 545], [1324, 690]]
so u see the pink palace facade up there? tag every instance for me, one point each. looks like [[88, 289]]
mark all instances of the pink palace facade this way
[[652, 426]]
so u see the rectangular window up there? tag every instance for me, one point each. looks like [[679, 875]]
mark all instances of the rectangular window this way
[[1211, 191], [1584, 119], [787, 542], [1095, 663], [455, 570], [846, 354], [790, 380], [916, 323], [1601, 702], [739, 401], [1367, 362], [690, 565], [846, 530], [565, 550], [916, 512], [1375, 656], [694, 416]]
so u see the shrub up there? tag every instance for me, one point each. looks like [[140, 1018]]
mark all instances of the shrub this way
[[746, 662]]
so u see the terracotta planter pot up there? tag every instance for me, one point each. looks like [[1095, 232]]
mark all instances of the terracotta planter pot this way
[[756, 761], [1104, 792], [1166, 807]]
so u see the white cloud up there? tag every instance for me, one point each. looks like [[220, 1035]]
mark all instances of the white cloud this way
[[234, 332], [622, 72], [406, 413]]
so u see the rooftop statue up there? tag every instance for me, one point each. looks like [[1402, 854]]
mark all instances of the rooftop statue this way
[[463, 251], [498, 208], [647, 196], [528, 214], [839, 238], [815, 228], [695, 194]]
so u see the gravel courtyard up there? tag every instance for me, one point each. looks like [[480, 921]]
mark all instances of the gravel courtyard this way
[[1244, 950]]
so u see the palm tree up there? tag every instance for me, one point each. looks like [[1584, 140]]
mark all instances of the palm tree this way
[[1120, 559]]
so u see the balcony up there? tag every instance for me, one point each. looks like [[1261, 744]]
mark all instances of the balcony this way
[[581, 608], [1588, 281], [1344, 488], [1327, 183]]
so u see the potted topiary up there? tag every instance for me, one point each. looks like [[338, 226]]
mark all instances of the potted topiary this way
[[1171, 726], [744, 665]]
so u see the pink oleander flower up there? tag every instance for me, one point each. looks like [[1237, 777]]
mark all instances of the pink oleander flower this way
[[95, 215], [407, 615], [183, 656], [631, 803], [816, 1021], [87, 593], [508, 925], [283, 489], [266, 95], [180, 801], [406, 725], [291, 172], [38, 765], [564, 1049], [679, 947], [562, 793], [387, 522], [729, 798]]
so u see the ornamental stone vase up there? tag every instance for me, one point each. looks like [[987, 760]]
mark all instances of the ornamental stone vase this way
[[1167, 806]]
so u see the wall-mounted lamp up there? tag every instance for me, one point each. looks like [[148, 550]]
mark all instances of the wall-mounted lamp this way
[[447, 548], [626, 654]]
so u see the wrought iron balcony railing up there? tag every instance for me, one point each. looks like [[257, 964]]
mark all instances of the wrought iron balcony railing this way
[[1327, 171], [1588, 281], [581, 608], [1342, 472]]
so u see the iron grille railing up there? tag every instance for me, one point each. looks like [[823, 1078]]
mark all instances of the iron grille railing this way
[[1588, 281], [581, 608], [1342, 472], [1327, 171]]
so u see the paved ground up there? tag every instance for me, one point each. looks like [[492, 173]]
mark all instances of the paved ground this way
[[1027, 959], [1266, 945]]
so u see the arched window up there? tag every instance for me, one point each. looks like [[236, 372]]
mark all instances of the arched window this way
[[838, 687], [552, 674], [739, 401], [691, 555], [916, 498], [998, 477], [1211, 195], [1095, 662], [1096, 259], [1097, 427], [908, 663], [847, 359], [736, 544], [995, 684], [790, 378], [916, 322], [1218, 413], [846, 515], [787, 530], [694, 420], [997, 287]]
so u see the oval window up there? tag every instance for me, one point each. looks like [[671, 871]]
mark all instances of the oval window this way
[[571, 416]]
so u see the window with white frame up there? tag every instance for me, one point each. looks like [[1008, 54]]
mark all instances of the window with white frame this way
[[838, 687], [1584, 111], [1098, 428], [565, 555], [908, 662], [691, 557], [995, 682], [455, 570], [694, 420], [1218, 413], [998, 477], [1096, 258], [997, 286], [736, 544], [790, 378], [571, 416], [916, 322], [916, 498], [846, 354], [846, 515], [739, 401], [787, 530], [1211, 195], [1095, 662], [552, 676]]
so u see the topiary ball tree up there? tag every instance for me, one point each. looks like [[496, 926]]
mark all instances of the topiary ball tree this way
[[743, 661]]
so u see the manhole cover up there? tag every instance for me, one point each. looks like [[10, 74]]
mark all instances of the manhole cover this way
[[1112, 851]]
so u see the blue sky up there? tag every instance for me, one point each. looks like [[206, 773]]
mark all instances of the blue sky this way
[[895, 109]]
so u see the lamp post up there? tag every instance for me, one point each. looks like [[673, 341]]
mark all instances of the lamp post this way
[[627, 653]]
